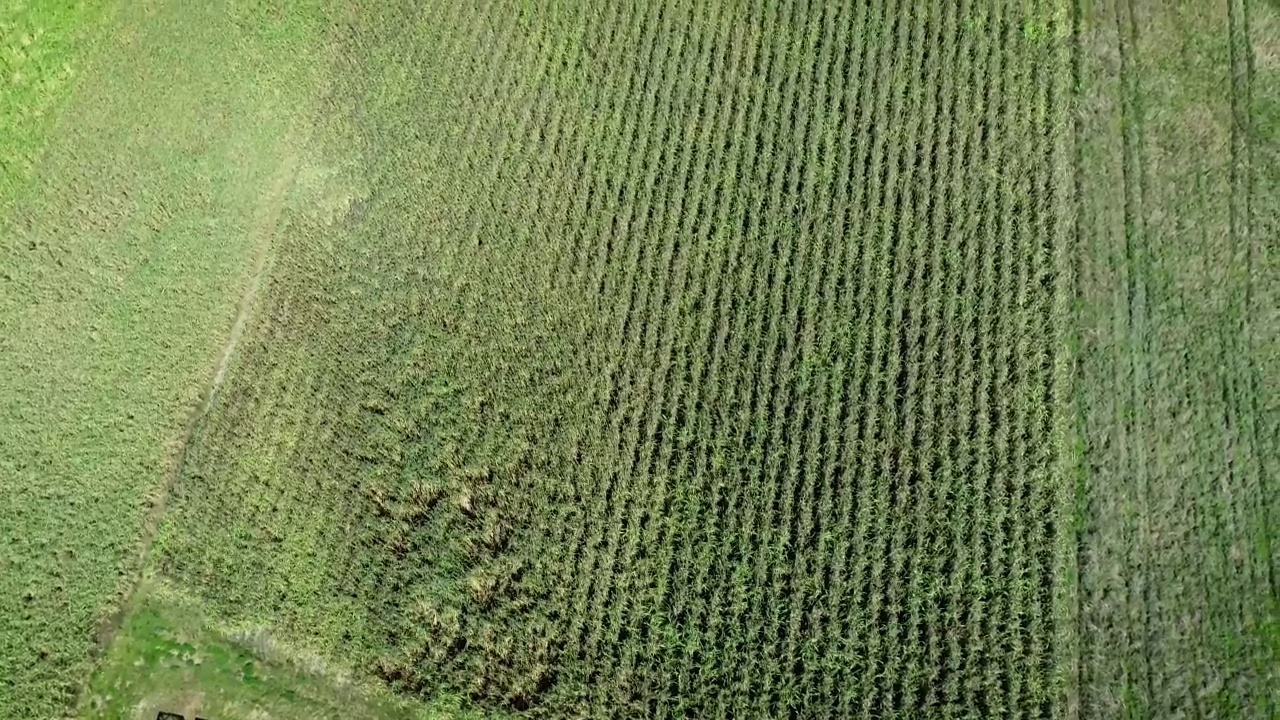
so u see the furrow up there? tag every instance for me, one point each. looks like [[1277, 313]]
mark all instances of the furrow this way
[[888, 604], [653, 441], [753, 162], [985, 551], [788, 194], [873, 329], [943, 336], [847, 601], [828, 420]]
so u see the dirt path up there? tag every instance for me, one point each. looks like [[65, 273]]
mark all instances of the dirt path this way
[[266, 219]]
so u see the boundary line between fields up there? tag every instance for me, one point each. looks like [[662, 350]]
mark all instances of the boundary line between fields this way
[[266, 221]]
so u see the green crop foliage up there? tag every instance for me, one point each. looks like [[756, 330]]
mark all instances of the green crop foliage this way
[[610, 394], [167, 657]]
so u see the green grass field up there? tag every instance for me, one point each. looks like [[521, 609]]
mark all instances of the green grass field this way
[[168, 656], [124, 252], [643, 359], [43, 50]]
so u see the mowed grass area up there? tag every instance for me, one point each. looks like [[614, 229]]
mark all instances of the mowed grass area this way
[[124, 252], [1178, 385], [169, 657]]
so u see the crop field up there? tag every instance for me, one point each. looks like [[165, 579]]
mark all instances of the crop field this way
[[872, 358]]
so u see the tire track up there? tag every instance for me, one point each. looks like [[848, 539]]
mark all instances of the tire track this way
[[265, 222]]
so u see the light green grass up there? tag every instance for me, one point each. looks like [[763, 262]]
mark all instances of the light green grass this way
[[44, 47], [122, 262], [169, 656], [1177, 379]]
